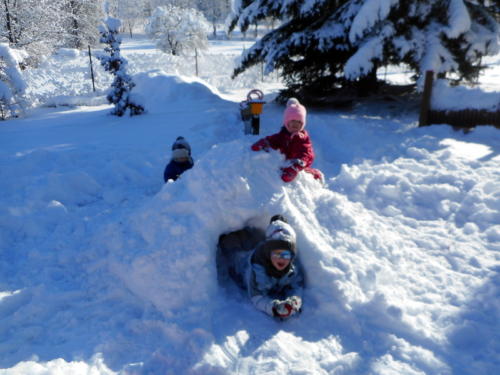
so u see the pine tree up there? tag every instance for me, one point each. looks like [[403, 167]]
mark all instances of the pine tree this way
[[322, 45], [112, 62]]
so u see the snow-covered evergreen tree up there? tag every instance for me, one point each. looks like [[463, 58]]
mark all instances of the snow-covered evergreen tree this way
[[12, 85], [178, 30], [120, 93], [323, 44]]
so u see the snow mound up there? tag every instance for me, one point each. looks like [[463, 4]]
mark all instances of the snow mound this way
[[60, 366], [75, 100], [184, 220], [165, 252], [357, 282], [160, 92]]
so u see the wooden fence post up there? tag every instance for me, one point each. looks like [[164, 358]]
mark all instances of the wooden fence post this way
[[426, 99]]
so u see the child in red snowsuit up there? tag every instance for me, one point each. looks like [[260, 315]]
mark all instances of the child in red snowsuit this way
[[292, 141]]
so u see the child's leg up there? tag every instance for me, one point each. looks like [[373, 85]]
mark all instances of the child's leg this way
[[230, 243]]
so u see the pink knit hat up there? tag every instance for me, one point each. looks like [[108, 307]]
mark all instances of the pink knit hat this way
[[294, 111]]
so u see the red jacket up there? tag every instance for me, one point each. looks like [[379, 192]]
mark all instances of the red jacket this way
[[297, 147]]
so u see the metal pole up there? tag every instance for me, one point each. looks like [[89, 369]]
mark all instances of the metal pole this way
[[91, 69], [196, 60], [255, 124]]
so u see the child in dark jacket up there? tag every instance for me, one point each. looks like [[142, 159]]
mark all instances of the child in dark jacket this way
[[181, 160], [265, 265], [292, 141]]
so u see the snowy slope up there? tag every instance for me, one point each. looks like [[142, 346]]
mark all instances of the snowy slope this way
[[103, 269]]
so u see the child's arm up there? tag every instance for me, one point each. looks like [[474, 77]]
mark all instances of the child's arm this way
[[271, 141], [294, 290], [171, 172], [305, 153], [261, 144], [303, 158], [258, 288]]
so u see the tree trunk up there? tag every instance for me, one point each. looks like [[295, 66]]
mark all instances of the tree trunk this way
[[77, 43], [368, 84], [196, 60], [9, 23]]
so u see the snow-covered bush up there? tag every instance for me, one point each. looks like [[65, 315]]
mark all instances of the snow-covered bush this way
[[178, 30], [12, 85], [112, 62]]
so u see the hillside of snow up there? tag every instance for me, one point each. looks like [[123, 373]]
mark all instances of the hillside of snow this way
[[106, 270]]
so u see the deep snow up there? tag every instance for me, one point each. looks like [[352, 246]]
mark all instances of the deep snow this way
[[103, 269]]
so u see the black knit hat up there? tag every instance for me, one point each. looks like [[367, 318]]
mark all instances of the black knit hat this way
[[181, 149], [181, 142], [278, 218]]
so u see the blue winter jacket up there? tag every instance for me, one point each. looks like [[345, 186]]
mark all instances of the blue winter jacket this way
[[262, 288], [174, 169]]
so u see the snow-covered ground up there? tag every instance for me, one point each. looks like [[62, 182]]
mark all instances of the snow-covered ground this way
[[105, 270]]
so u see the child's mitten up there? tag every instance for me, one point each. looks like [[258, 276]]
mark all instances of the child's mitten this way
[[288, 174], [282, 309], [261, 144], [295, 302]]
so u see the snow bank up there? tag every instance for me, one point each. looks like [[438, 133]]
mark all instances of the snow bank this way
[[75, 101], [60, 366], [158, 90], [388, 239], [445, 97]]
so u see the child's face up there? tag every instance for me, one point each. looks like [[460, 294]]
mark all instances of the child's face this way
[[280, 259], [294, 125], [181, 159]]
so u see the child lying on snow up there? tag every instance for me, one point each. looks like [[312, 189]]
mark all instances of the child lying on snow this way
[[292, 141], [266, 266], [181, 160]]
